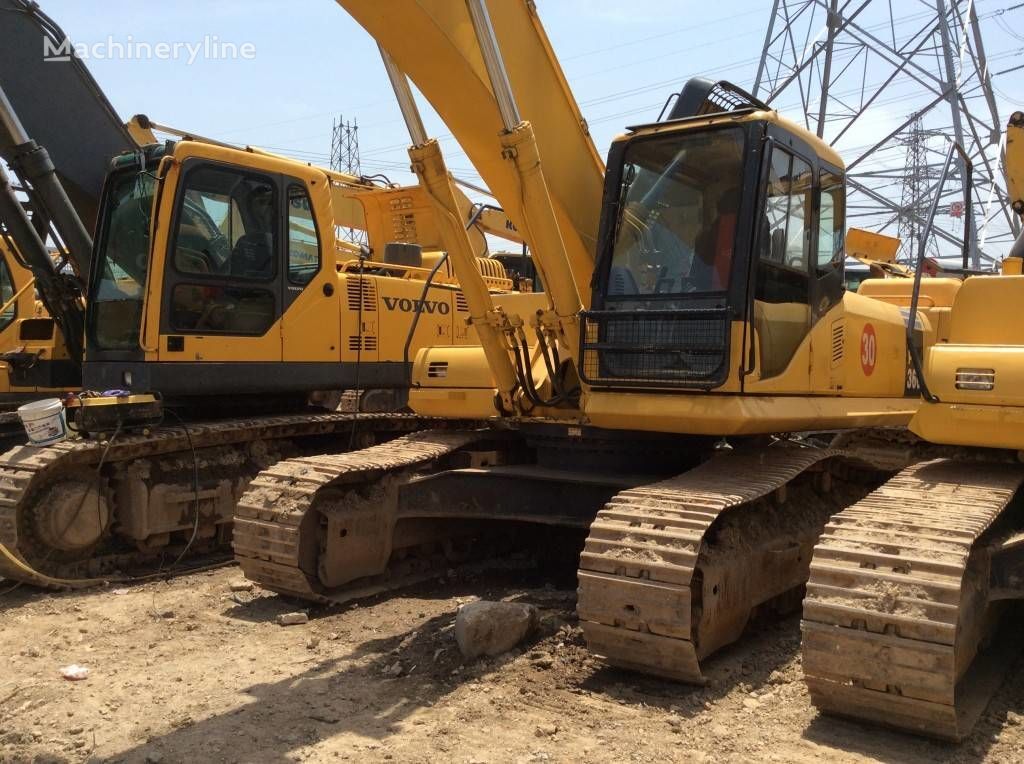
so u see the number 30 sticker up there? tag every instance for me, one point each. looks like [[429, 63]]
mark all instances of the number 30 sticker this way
[[868, 349]]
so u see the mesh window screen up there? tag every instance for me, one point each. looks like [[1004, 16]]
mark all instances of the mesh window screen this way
[[687, 348]]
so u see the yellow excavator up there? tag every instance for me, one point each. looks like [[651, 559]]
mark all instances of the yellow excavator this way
[[220, 296], [909, 586], [695, 315], [218, 281]]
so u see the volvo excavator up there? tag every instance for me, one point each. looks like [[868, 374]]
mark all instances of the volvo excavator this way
[[217, 287], [909, 587], [246, 292], [695, 315]]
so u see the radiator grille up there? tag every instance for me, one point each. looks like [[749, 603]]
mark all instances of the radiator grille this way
[[369, 342], [678, 348], [369, 294]]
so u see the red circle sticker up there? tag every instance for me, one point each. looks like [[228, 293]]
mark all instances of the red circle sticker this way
[[868, 349]]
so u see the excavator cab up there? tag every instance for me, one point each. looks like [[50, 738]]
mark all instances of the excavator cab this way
[[725, 224]]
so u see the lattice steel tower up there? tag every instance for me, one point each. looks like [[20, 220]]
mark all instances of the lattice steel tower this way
[[345, 158], [861, 74], [919, 173]]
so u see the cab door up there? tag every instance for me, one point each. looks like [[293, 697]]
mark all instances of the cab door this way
[[781, 308], [224, 274], [311, 328]]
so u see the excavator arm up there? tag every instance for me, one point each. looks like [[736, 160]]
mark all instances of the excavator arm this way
[[433, 42], [45, 90]]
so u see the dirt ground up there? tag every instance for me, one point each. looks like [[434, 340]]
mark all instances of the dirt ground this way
[[189, 671]]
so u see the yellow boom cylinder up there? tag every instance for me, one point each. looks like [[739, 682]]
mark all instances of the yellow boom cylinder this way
[[429, 166], [520, 146]]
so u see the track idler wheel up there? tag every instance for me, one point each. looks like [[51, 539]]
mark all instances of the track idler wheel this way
[[70, 515]]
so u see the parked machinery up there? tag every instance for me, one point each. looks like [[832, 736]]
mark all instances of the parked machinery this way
[[708, 305], [220, 294], [908, 586]]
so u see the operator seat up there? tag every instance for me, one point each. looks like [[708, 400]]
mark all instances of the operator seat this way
[[252, 256], [621, 281]]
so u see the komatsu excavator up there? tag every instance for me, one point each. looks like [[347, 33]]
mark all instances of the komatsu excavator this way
[[695, 315], [909, 586], [219, 285]]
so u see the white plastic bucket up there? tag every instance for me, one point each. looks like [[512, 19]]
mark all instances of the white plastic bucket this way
[[44, 421]]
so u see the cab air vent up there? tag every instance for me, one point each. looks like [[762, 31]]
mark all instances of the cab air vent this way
[[838, 334]]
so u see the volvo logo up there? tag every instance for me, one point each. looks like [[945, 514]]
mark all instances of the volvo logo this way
[[406, 305]]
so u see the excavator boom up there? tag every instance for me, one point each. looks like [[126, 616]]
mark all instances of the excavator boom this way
[[35, 58], [453, 77]]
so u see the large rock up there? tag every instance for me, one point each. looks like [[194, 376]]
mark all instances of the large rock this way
[[491, 628]]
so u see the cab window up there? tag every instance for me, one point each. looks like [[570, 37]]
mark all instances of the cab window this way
[[227, 225], [831, 249], [303, 241], [225, 253], [782, 292], [830, 223], [679, 201]]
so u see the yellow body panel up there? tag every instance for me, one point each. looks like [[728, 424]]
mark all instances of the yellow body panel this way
[[868, 246], [1004, 362], [717, 414], [963, 424], [935, 293], [453, 381], [985, 309], [984, 344], [468, 403], [22, 305]]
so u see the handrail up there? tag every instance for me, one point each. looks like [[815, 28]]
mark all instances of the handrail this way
[[912, 349]]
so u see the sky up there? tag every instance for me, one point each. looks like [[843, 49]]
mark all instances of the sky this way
[[312, 63]]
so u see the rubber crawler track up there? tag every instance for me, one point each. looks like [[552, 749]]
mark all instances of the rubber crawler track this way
[[268, 539], [896, 603], [24, 470], [640, 603]]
